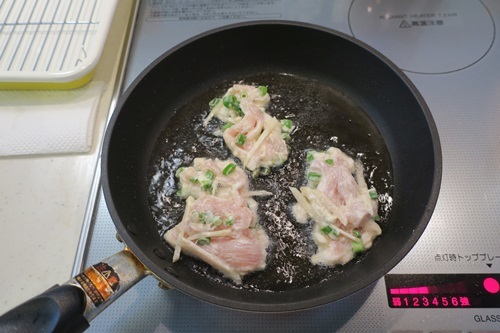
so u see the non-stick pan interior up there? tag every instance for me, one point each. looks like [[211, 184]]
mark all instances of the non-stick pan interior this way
[[363, 83], [323, 118]]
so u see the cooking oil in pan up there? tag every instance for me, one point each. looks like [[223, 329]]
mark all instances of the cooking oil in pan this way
[[323, 118]]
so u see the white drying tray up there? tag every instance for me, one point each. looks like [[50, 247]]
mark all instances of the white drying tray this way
[[52, 44]]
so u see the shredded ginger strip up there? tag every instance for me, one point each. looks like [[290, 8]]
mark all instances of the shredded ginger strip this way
[[325, 203], [302, 200], [260, 193], [209, 258], [184, 222], [215, 109], [216, 233], [269, 126]]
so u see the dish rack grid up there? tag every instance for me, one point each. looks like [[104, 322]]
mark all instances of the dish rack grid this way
[[41, 40]]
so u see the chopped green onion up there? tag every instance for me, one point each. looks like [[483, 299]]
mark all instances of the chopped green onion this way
[[286, 137], [356, 233], [229, 221], [376, 218], [329, 161], [213, 102], [226, 126], [178, 172], [209, 174], [263, 90], [239, 111], [313, 176], [193, 180], [373, 194], [335, 232], [310, 156], [326, 230], [217, 221], [203, 241], [179, 193], [286, 123], [231, 102], [358, 247], [241, 139], [202, 218], [229, 169], [243, 95], [206, 185]]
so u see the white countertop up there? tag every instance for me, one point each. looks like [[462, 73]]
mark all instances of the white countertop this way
[[43, 198]]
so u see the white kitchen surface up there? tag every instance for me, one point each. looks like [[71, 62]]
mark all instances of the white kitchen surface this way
[[43, 199]]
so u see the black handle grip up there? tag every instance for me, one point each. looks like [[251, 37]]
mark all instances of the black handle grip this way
[[59, 309]]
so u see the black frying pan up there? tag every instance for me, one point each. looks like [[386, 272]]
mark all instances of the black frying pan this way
[[342, 92]]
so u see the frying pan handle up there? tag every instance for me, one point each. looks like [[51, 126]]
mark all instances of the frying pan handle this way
[[70, 307], [59, 309]]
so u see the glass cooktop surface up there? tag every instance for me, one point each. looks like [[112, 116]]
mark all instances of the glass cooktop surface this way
[[449, 282]]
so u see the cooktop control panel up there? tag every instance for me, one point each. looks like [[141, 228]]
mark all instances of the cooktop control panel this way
[[443, 290]]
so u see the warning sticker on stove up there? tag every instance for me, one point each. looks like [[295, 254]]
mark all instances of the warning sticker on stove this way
[[198, 10], [406, 20]]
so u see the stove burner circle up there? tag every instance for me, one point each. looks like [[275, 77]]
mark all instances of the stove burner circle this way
[[427, 37]]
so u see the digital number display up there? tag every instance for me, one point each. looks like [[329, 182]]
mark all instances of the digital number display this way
[[443, 290]]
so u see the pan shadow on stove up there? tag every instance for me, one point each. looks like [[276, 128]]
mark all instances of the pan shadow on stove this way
[[177, 312]]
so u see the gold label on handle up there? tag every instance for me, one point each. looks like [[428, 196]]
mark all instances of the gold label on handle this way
[[99, 282]]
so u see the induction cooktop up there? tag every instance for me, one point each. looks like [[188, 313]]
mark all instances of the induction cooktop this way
[[449, 282]]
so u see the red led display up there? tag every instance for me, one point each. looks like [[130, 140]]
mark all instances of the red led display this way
[[419, 301], [443, 290]]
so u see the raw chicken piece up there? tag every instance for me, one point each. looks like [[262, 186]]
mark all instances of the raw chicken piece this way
[[343, 208], [220, 222], [252, 135], [331, 252], [228, 109], [207, 176], [222, 232], [256, 140]]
